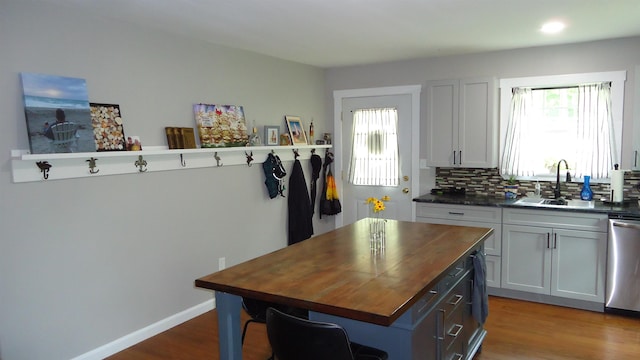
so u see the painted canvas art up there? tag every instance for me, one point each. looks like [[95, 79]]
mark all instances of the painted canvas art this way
[[221, 125], [57, 113]]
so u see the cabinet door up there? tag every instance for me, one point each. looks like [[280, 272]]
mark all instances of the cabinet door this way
[[477, 140], [526, 258], [442, 122], [578, 269], [493, 271]]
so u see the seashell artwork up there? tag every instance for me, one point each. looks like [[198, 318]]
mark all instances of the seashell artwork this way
[[108, 130]]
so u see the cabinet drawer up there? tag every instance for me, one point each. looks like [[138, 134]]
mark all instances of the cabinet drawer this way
[[423, 306], [453, 329], [453, 301], [460, 212], [492, 245], [556, 219], [455, 350], [454, 275]]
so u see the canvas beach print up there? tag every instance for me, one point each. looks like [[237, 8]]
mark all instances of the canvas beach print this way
[[221, 125], [57, 113]]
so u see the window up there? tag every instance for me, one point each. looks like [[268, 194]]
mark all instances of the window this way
[[374, 153], [573, 117]]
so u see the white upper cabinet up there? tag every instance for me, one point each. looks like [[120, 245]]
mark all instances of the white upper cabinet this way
[[461, 123]]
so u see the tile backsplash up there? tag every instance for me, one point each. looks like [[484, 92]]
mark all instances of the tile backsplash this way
[[488, 182]]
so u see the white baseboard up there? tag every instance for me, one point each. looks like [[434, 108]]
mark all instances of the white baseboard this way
[[147, 332]]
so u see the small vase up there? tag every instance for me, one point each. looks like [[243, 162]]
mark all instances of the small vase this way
[[586, 193], [377, 227], [511, 191]]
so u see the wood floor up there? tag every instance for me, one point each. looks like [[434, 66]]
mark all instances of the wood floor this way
[[516, 330]]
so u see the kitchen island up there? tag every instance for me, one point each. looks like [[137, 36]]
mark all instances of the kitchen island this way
[[397, 293]]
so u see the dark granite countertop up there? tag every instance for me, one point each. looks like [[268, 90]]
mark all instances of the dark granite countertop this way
[[630, 209]]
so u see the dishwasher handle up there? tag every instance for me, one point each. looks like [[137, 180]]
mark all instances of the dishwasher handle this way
[[626, 225]]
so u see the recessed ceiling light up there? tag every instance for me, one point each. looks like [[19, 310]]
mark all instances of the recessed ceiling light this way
[[552, 27]]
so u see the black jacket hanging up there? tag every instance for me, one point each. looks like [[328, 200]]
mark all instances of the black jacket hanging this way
[[316, 165], [300, 211]]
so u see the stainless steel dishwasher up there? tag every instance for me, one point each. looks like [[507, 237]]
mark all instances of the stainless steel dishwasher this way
[[623, 265]]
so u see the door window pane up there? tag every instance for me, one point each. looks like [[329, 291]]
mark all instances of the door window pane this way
[[374, 153]]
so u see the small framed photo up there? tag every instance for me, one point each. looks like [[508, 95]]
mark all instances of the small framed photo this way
[[296, 130], [285, 140], [271, 135], [133, 143]]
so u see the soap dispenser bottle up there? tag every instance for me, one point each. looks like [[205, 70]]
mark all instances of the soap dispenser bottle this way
[[586, 193]]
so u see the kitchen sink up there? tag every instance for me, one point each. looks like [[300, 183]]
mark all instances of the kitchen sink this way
[[555, 203]]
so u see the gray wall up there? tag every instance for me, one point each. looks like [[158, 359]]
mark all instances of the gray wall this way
[[610, 55], [86, 261]]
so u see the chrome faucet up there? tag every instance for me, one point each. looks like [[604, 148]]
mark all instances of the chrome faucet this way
[[556, 191]]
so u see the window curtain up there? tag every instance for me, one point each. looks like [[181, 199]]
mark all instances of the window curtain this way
[[374, 152], [595, 131], [518, 145]]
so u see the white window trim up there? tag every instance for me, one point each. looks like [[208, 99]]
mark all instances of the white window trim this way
[[617, 79]]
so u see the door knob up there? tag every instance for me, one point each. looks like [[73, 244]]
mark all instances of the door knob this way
[[405, 190]]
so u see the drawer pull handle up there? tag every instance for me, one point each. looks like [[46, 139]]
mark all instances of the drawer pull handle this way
[[433, 292], [456, 301], [456, 213], [441, 316], [458, 329], [458, 272], [548, 247]]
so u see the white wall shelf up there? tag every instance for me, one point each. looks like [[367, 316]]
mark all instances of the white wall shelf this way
[[25, 166]]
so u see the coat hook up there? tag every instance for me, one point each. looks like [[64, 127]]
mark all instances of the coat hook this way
[[249, 158], [182, 162], [218, 163], [313, 151], [44, 168], [141, 164], [92, 165], [295, 154]]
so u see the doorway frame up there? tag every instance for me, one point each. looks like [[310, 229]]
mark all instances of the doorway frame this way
[[340, 95]]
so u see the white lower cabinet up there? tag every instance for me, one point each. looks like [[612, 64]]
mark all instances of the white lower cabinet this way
[[469, 215], [565, 258]]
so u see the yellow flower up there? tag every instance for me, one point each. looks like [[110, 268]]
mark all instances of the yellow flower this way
[[377, 205]]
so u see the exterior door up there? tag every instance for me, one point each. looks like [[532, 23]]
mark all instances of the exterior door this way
[[400, 205]]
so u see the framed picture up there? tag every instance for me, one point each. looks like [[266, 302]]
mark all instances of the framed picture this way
[[271, 135], [57, 113], [221, 125], [285, 139], [296, 130], [134, 143], [108, 131]]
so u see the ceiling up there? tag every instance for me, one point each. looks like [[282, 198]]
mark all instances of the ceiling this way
[[334, 33]]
